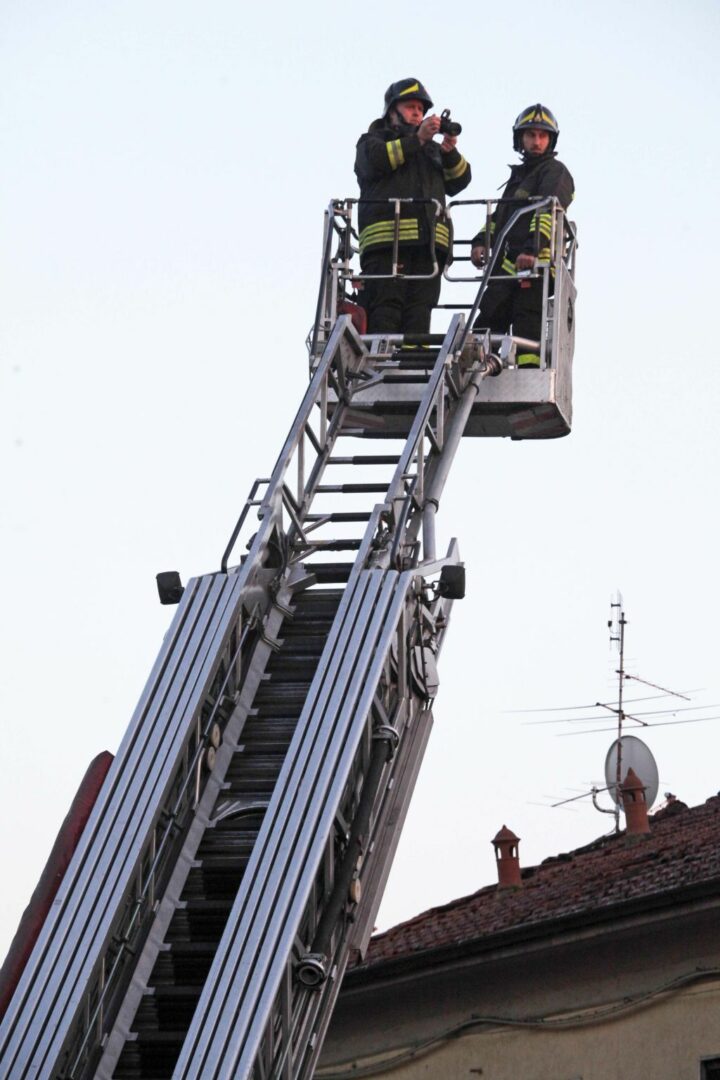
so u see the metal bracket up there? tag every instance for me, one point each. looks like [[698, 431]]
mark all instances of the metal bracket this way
[[387, 733], [312, 971]]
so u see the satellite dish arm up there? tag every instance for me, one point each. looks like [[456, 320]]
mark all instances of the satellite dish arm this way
[[597, 805]]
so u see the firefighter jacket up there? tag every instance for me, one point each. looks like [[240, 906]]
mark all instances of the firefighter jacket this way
[[531, 233], [392, 163]]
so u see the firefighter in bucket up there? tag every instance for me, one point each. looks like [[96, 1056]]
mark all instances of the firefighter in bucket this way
[[398, 158], [518, 303]]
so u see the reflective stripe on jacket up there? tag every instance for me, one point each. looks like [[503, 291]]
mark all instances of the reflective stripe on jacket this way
[[541, 176]]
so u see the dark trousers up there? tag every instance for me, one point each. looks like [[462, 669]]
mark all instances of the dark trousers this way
[[397, 306], [513, 303]]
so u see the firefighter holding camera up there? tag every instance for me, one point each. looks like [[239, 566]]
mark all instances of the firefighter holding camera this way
[[398, 158]]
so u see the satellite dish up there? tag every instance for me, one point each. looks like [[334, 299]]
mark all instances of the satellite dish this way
[[637, 756]]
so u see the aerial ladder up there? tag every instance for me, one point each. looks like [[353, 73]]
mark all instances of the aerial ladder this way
[[235, 857]]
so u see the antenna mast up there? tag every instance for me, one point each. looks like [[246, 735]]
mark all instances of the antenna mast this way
[[616, 625]]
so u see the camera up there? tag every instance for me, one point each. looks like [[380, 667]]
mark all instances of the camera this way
[[448, 126]]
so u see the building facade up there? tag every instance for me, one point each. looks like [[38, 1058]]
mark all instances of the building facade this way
[[599, 964]]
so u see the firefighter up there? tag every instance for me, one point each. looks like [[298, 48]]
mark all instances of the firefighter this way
[[518, 303], [397, 158]]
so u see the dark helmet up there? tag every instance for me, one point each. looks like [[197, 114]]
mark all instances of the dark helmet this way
[[535, 116], [411, 89]]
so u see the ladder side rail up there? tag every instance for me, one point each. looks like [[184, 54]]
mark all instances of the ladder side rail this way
[[89, 865], [439, 426], [261, 539], [272, 503], [396, 798], [175, 641], [261, 890], [267, 500], [318, 888], [205, 816], [338, 645], [249, 502], [387, 818], [322, 312], [313, 1011], [406, 507], [284, 494], [298, 532], [428, 402], [340, 891], [111, 873], [343, 345], [333, 358], [260, 957], [188, 794], [438, 468], [246, 677], [397, 495], [269, 518]]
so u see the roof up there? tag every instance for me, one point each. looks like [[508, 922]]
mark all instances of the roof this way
[[680, 857]]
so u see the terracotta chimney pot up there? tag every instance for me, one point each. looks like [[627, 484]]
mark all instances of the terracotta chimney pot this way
[[507, 859], [633, 796]]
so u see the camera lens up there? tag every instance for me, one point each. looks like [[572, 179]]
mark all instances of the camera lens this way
[[448, 126]]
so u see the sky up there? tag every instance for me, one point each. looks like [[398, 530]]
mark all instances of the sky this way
[[165, 170]]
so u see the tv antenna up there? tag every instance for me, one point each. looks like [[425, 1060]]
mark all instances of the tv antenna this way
[[627, 752], [616, 625]]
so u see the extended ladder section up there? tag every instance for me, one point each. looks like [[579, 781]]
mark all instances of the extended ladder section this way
[[237, 853]]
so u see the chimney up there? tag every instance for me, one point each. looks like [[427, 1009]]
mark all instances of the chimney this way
[[634, 804], [506, 856]]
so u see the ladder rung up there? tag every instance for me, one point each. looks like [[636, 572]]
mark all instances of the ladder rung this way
[[358, 515], [365, 459], [425, 354], [426, 363], [420, 377], [423, 339], [330, 572], [336, 545], [339, 489]]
